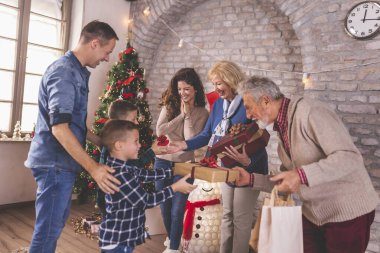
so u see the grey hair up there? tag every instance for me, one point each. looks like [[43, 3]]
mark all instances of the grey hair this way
[[259, 86]]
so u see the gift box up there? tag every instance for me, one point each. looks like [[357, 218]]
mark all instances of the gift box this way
[[251, 135], [198, 171]]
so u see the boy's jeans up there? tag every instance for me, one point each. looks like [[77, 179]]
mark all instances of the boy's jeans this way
[[119, 249], [172, 210], [53, 203]]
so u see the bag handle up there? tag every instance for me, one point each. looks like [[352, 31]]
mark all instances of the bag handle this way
[[276, 200]]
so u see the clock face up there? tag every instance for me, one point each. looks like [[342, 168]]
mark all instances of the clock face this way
[[363, 20]]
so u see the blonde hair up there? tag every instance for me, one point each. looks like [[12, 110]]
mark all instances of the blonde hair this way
[[229, 72]]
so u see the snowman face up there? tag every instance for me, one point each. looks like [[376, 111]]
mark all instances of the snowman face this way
[[205, 191], [207, 219]]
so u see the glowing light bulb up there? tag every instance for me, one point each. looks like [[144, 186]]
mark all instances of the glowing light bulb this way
[[146, 11], [180, 44]]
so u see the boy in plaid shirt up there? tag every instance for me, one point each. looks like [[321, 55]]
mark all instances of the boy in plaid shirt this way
[[123, 226], [125, 110]]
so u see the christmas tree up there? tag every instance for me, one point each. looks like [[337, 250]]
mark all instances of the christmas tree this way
[[125, 81]]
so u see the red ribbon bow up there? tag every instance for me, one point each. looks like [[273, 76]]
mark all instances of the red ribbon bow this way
[[209, 162], [162, 140]]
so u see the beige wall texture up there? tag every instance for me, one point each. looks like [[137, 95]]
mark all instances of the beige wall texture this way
[[286, 36]]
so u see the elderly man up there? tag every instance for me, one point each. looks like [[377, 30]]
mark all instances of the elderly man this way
[[320, 163]]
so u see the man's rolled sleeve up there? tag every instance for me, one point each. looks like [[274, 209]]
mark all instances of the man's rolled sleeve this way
[[61, 94]]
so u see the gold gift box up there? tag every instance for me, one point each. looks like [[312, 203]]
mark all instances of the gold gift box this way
[[198, 171]]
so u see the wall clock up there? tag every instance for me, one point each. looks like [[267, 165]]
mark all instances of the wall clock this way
[[363, 20]]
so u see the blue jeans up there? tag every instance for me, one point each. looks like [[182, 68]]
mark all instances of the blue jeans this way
[[172, 210], [118, 249], [53, 203]]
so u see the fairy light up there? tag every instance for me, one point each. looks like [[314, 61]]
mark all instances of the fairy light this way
[[306, 80], [147, 11], [180, 44], [306, 76]]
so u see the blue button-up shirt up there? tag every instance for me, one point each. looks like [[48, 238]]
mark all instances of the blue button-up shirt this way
[[62, 98]]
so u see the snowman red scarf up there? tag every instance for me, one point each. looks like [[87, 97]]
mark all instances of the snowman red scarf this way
[[189, 219]]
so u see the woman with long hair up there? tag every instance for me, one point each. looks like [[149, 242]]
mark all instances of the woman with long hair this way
[[183, 115]]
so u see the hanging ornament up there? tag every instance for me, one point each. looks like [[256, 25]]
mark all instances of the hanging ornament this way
[[140, 95], [141, 118]]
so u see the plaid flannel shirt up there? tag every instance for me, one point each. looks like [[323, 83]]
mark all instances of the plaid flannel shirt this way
[[124, 223]]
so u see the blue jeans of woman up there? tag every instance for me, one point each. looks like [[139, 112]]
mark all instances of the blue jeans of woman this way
[[118, 249], [172, 210], [53, 201]]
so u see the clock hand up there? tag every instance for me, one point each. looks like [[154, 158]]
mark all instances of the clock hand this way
[[365, 14], [372, 19]]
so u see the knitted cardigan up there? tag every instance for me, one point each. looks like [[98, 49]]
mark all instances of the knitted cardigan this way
[[339, 185]]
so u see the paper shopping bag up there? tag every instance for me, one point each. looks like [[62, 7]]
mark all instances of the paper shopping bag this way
[[254, 240], [280, 226]]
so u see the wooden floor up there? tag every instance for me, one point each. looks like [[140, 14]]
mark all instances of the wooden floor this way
[[16, 229]]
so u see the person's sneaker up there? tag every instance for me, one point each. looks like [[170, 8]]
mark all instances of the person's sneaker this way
[[171, 251], [167, 242]]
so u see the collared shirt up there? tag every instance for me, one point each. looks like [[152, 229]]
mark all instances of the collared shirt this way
[[125, 218], [281, 124], [62, 98]]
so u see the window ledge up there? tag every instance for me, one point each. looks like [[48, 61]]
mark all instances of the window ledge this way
[[12, 140]]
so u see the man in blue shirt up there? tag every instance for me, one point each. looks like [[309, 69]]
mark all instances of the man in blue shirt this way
[[57, 152]]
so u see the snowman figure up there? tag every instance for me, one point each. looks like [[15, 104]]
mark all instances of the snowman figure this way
[[201, 230]]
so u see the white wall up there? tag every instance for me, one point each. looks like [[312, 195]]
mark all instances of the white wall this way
[[16, 182], [116, 14]]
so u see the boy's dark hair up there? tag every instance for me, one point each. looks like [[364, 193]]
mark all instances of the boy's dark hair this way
[[119, 109], [97, 30], [116, 130]]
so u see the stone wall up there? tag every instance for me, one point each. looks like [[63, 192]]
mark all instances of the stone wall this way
[[282, 36]]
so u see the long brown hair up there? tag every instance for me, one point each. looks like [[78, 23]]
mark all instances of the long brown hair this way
[[171, 99]]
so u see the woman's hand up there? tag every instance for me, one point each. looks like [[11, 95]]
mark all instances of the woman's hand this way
[[242, 157], [176, 146]]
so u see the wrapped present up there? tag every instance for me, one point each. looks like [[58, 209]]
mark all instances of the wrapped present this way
[[254, 138], [198, 171]]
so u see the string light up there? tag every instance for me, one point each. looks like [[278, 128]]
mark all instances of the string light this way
[[147, 11], [306, 76], [180, 44]]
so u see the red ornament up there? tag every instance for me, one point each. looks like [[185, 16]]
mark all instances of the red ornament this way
[[95, 152], [102, 120], [146, 90], [91, 185], [127, 95], [129, 50], [162, 140]]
